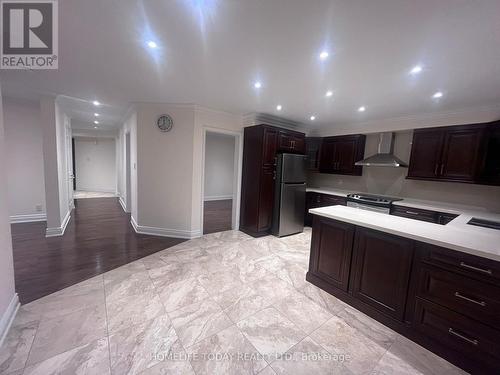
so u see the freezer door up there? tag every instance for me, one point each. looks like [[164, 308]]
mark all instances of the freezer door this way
[[292, 206], [292, 168]]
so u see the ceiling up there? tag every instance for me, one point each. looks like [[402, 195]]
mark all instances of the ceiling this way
[[211, 52]]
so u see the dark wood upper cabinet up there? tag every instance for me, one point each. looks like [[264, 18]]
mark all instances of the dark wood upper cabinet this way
[[462, 153], [490, 169], [425, 156], [261, 144], [331, 251], [339, 154], [313, 150], [454, 153], [292, 142], [381, 271]]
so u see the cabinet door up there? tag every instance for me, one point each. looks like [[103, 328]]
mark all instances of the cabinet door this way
[[266, 199], [313, 149], [461, 153], [381, 271], [425, 159], [269, 148], [299, 144], [331, 250], [346, 150], [285, 141], [328, 159]]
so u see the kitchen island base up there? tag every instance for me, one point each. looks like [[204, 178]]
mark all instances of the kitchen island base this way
[[444, 300]]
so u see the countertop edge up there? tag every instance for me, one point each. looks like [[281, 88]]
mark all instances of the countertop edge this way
[[421, 238]]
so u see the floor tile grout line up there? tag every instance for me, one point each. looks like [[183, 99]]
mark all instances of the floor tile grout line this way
[[107, 326]]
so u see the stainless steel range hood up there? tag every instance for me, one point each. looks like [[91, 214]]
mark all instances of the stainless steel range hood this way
[[385, 156]]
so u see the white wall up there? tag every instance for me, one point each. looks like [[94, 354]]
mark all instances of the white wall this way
[[128, 197], [56, 134], [95, 163], [164, 168], [8, 297], [392, 181], [219, 166], [24, 153]]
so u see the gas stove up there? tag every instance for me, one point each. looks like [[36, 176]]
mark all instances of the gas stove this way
[[370, 202]]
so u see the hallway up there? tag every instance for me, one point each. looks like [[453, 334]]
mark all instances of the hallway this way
[[99, 238]]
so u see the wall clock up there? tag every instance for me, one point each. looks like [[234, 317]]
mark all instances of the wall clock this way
[[165, 123]]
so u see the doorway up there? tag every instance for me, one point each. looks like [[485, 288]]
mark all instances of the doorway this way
[[94, 167], [220, 181]]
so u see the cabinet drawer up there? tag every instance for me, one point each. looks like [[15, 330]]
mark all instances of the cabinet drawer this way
[[333, 200], [469, 297], [466, 264], [457, 332], [414, 213]]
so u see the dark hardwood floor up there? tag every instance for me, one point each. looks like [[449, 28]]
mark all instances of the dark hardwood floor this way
[[217, 216], [98, 238]]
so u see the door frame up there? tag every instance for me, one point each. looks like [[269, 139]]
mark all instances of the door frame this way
[[237, 167]]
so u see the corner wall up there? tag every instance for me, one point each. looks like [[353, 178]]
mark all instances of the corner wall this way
[[24, 155], [8, 297]]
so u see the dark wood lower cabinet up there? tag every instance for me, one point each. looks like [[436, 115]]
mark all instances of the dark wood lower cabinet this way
[[381, 271], [331, 251], [445, 300]]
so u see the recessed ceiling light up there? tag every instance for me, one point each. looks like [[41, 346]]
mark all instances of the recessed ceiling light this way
[[96, 122], [437, 95], [324, 55], [152, 44], [95, 127], [329, 93], [279, 107], [312, 118], [361, 109], [416, 69], [257, 85], [96, 114], [96, 103]]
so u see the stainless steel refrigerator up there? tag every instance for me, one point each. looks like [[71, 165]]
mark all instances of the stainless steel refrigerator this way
[[289, 195]]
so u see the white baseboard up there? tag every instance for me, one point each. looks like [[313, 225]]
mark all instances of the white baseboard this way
[[164, 232], [14, 219], [122, 203], [218, 198], [58, 231], [8, 317]]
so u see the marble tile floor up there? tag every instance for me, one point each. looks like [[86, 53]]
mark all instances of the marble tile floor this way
[[224, 303]]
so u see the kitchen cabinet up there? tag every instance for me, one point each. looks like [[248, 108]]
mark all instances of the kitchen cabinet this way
[[313, 150], [331, 251], [339, 154], [291, 142], [490, 171], [375, 253], [261, 144], [453, 153], [445, 300], [315, 200]]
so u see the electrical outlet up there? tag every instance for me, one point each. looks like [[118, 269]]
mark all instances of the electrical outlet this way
[[38, 207]]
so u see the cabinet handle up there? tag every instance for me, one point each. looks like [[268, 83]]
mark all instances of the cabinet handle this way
[[442, 169], [455, 333], [481, 303], [465, 265], [412, 212], [436, 169]]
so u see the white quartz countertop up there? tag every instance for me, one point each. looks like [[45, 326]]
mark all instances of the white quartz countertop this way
[[456, 235]]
